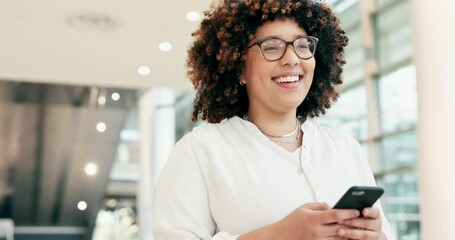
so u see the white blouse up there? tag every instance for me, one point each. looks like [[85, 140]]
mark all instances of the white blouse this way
[[223, 180]]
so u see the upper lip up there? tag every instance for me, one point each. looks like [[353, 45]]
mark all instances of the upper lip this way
[[288, 74]]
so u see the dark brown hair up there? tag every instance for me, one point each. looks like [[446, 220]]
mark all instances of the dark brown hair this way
[[215, 59]]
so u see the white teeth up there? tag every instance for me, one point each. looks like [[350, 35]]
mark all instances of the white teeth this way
[[287, 79]]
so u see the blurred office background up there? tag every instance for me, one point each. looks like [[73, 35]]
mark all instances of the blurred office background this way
[[93, 95]]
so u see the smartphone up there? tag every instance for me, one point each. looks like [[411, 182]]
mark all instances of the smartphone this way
[[359, 197]]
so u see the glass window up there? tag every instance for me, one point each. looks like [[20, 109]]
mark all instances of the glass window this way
[[384, 2], [128, 148], [398, 100], [349, 114], [394, 34], [184, 113], [398, 150], [349, 12], [401, 204], [353, 70]]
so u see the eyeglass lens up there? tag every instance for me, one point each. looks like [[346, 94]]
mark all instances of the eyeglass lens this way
[[274, 49]]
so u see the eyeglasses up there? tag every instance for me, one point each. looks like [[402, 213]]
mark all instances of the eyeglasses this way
[[273, 48]]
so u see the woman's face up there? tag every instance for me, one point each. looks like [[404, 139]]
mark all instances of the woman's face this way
[[277, 86]]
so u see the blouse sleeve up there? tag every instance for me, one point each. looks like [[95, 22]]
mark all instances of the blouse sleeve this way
[[181, 207]]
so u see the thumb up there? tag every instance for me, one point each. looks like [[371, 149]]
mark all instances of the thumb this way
[[317, 206]]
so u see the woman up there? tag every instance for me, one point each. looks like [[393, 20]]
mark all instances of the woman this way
[[262, 169]]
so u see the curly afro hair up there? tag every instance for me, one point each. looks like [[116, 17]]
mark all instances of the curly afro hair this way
[[215, 59]]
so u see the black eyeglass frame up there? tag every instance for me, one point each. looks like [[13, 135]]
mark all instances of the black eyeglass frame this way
[[260, 41]]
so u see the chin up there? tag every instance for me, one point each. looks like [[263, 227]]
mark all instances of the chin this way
[[293, 104]]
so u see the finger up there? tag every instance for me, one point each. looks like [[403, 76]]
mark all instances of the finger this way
[[338, 215], [336, 238], [371, 213], [330, 230], [363, 223], [317, 206], [357, 233]]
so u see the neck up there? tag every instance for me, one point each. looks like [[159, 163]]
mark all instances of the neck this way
[[286, 134], [273, 125], [289, 140]]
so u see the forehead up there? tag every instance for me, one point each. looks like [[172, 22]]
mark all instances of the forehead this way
[[286, 29]]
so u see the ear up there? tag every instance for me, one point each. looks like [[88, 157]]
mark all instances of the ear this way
[[242, 79]]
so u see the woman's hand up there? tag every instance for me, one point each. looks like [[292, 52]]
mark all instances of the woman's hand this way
[[313, 221], [367, 227]]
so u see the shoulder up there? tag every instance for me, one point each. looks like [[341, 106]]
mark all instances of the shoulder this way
[[208, 133], [202, 146]]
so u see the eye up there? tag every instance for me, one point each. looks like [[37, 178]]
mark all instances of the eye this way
[[302, 46], [272, 45], [270, 48]]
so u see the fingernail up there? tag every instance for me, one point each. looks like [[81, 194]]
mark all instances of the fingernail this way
[[366, 212]]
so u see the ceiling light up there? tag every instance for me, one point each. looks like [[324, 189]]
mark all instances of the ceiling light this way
[[101, 100], [91, 169], [115, 96], [101, 127], [82, 205], [165, 46], [92, 21], [143, 70], [193, 16]]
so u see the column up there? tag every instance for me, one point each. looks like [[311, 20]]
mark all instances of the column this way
[[157, 138], [434, 43]]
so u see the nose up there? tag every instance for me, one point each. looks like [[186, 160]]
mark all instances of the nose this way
[[290, 57]]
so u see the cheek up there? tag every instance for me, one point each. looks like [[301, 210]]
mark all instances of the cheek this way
[[309, 66], [255, 67]]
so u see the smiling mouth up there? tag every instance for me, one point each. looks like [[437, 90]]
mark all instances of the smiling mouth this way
[[287, 79]]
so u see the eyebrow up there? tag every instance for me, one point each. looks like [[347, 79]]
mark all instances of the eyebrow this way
[[276, 36]]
